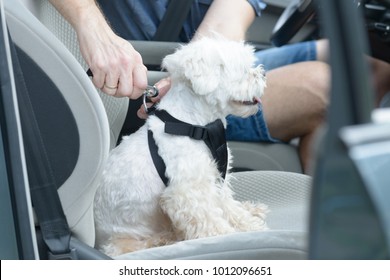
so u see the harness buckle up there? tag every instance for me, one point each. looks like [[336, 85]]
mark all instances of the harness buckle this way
[[197, 132]]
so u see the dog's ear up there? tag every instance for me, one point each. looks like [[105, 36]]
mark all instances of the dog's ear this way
[[196, 63]]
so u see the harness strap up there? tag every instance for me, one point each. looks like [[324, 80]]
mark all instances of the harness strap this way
[[157, 159], [213, 134]]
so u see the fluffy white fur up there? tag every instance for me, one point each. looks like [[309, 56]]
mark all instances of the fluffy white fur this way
[[211, 78]]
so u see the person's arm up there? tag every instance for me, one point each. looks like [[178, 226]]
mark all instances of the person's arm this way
[[230, 18], [116, 66]]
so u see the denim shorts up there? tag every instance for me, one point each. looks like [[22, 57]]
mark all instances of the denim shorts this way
[[276, 57], [254, 128], [251, 129]]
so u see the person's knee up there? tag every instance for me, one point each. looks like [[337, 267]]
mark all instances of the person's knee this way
[[317, 84], [297, 99]]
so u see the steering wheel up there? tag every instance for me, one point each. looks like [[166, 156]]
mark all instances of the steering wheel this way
[[296, 14], [377, 16]]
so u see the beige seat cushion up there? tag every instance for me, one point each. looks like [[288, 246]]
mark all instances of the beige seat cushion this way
[[287, 195]]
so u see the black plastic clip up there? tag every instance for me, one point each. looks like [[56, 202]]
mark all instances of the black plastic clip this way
[[71, 255]]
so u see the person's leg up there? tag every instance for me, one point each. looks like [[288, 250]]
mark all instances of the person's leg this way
[[296, 97], [322, 50], [381, 78], [295, 103], [250, 129], [299, 52], [380, 70], [255, 128]]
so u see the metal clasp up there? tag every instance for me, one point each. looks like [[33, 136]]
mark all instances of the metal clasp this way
[[150, 92]]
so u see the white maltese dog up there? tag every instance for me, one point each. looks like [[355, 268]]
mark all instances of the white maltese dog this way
[[137, 206]]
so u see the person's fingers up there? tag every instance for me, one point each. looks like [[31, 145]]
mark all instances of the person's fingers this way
[[98, 78], [140, 81], [111, 83], [141, 113], [125, 86], [163, 87]]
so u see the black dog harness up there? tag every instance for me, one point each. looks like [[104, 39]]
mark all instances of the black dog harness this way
[[213, 134]]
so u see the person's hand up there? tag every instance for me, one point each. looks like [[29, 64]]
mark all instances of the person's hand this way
[[116, 66], [163, 87]]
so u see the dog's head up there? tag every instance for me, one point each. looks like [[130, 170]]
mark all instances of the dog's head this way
[[221, 72]]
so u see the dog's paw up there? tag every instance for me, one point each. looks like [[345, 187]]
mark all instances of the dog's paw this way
[[251, 218], [256, 209], [118, 246], [121, 245]]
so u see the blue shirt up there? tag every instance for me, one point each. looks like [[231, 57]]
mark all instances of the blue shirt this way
[[139, 20]]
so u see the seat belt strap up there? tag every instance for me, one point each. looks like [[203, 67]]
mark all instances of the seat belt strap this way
[[172, 22], [44, 195]]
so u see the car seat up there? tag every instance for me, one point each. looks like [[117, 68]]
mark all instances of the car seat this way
[[70, 114], [287, 194]]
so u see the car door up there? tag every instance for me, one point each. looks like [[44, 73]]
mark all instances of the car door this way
[[17, 237]]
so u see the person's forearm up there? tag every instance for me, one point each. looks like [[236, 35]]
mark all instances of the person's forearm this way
[[80, 12], [230, 18]]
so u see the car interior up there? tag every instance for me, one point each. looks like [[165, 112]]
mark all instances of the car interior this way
[[75, 126]]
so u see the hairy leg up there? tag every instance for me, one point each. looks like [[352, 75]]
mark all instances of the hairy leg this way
[[380, 70], [381, 78], [295, 103]]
